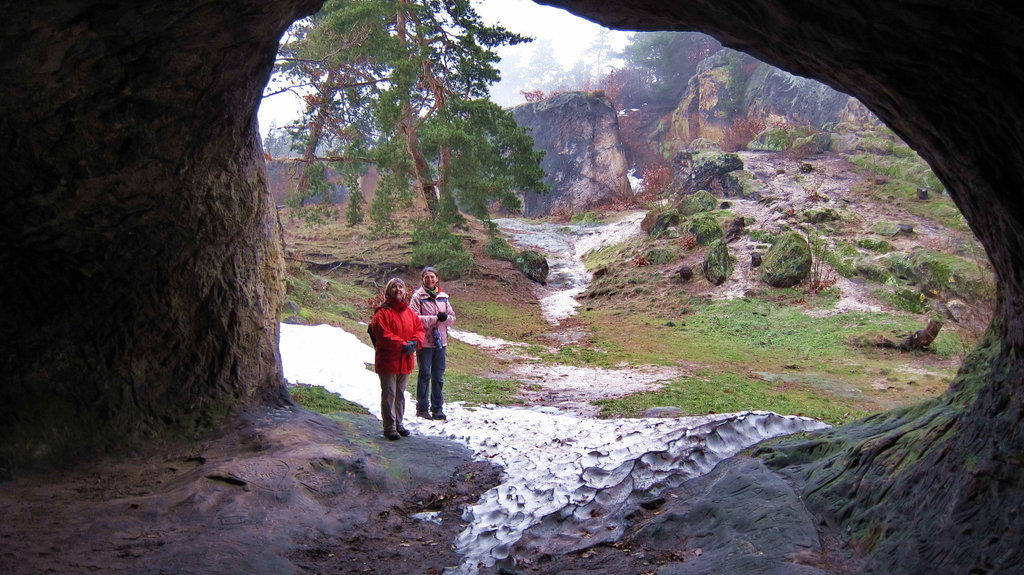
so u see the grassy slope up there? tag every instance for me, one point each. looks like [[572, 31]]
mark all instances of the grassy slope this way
[[761, 351]]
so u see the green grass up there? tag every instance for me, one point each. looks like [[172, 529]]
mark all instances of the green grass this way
[[323, 299], [742, 328], [580, 356], [905, 173], [769, 354], [476, 390], [495, 319], [710, 392], [316, 398]]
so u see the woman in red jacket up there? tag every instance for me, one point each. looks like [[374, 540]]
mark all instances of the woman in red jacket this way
[[397, 333]]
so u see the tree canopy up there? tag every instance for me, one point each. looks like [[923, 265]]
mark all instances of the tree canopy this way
[[403, 85]]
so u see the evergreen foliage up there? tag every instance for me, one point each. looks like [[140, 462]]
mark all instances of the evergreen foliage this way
[[434, 244], [498, 248], [402, 84]]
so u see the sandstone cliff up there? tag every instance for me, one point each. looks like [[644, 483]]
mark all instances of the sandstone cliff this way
[[732, 97], [585, 162]]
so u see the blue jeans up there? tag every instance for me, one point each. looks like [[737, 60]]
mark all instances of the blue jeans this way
[[430, 380]]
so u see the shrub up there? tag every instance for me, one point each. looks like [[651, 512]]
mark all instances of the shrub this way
[[498, 248], [434, 244], [657, 180]]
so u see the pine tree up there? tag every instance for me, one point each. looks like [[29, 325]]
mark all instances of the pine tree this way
[[392, 82]]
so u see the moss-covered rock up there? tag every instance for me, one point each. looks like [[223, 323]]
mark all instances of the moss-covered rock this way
[[699, 201], [771, 140], [909, 300], [811, 145], [820, 215], [940, 274], [714, 172], [705, 227], [657, 222], [718, 263], [788, 262], [533, 265], [659, 256], [873, 272], [879, 246]]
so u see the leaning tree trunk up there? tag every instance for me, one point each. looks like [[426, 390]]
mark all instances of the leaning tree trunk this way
[[316, 130], [420, 166]]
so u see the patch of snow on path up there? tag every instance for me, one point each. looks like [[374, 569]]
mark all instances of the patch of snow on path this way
[[556, 464], [564, 246]]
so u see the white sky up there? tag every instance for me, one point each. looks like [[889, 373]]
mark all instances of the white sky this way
[[570, 37]]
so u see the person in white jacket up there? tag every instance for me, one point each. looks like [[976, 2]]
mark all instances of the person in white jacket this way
[[436, 313]]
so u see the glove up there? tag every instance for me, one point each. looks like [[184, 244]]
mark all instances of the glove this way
[[409, 348], [442, 317]]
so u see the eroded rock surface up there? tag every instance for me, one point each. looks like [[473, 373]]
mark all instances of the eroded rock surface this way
[[585, 162]]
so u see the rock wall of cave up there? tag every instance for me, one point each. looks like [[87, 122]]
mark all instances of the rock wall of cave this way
[[142, 268], [936, 488]]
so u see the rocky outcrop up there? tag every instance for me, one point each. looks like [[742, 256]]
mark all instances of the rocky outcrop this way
[[714, 97], [733, 97], [775, 97], [584, 159]]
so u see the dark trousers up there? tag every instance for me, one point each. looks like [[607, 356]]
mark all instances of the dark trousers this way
[[430, 380], [392, 400]]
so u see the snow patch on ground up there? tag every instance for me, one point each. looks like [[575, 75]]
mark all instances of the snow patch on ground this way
[[556, 463]]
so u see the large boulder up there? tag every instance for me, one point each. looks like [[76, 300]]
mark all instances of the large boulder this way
[[658, 221], [788, 262], [584, 162], [533, 265], [713, 172], [705, 227], [718, 263], [699, 201], [713, 98]]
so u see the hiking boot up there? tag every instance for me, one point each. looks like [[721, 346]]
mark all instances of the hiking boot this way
[[423, 414], [440, 416], [403, 432], [392, 436]]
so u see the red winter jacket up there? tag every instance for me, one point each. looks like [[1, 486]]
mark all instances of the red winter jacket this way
[[394, 324]]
